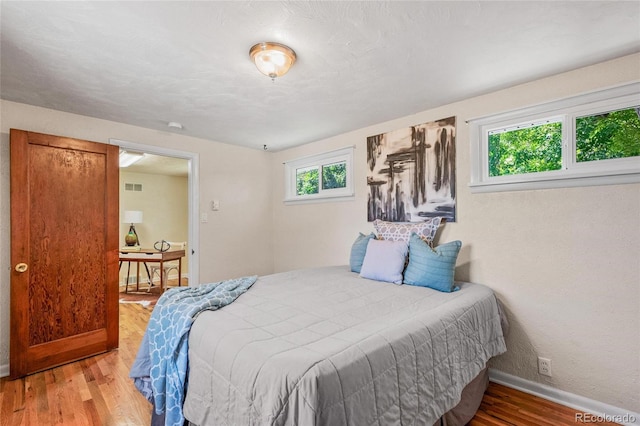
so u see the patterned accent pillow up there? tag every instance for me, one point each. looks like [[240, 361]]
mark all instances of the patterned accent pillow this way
[[399, 231]]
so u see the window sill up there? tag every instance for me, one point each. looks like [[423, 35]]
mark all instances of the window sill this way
[[555, 182], [319, 199]]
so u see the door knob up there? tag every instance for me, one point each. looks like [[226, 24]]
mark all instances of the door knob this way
[[22, 267]]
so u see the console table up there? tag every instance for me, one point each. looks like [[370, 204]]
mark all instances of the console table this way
[[153, 256]]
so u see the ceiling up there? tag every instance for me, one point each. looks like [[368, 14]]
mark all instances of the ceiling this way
[[359, 63], [160, 165]]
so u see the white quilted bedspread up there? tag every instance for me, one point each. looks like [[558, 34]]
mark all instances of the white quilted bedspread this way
[[326, 347]]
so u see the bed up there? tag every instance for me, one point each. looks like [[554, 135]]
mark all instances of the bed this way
[[326, 347]]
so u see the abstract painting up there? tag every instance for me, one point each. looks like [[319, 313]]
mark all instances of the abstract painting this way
[[412, 173]]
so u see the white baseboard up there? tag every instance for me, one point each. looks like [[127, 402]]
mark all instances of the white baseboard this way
[[4, 370], [581, 403]]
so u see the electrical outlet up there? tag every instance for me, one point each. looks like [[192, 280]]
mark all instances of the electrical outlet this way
[[544, 366]]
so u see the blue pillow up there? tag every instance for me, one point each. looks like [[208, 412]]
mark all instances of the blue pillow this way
[[433, 268], [384, 261], [358, 250]]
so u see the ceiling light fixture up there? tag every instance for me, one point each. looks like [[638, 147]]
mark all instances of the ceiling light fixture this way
[[127, 158], [272, 59], [174, 125]]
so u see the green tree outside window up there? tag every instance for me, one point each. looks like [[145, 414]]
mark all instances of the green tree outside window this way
[[539, 148], [611, 135], [334, 176], [529, 150], [307, 181]]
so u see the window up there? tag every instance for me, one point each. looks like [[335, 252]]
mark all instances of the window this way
[[307, 181], [591, 139], [603, 136], [320, 177], [530, 148], [334, 175]]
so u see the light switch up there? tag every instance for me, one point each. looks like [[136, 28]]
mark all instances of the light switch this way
[[204, 218]]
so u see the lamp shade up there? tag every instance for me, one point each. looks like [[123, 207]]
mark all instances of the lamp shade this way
[[132, 216], [272, 59]]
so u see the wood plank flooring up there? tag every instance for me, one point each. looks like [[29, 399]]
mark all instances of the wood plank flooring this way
[[503, 406], [93, 391], [98, 391]]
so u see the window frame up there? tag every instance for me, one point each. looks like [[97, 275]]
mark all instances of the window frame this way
[[572, 173], [343, 155]]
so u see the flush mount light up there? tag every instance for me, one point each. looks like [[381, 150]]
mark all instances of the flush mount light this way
[[272, 59], [174, 125], [127, 158]]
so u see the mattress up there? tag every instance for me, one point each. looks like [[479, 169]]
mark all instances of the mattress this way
[[326, 347]]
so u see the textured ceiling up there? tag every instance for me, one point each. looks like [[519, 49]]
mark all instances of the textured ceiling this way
[[359, 63]]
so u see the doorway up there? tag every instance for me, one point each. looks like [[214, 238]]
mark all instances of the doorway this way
[[164, 214]]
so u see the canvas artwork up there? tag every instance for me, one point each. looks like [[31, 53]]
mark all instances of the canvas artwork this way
[[412, 173]]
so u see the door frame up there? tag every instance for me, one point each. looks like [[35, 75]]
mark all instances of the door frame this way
[[193, 195]]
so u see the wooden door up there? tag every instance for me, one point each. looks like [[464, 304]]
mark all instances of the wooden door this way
[[64, 250]]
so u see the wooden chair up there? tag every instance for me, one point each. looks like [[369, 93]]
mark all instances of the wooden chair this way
[[154, 269]]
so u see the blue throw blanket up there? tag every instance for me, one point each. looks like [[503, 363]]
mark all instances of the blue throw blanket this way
[[160, 368]]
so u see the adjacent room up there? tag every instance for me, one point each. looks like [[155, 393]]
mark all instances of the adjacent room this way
[[335, 212], [154, 208]]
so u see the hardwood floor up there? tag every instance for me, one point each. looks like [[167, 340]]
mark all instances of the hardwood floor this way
[[505, 406], [98, 391], [93, 391]]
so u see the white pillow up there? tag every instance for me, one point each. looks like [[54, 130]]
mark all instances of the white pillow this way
[[384, 261]]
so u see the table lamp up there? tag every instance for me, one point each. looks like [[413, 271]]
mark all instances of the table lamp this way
[[131, 217]]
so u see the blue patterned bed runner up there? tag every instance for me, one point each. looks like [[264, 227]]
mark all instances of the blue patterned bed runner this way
[[160, 368]]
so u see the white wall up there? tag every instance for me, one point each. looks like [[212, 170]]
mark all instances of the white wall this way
[[564, 262], [237, 239]]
